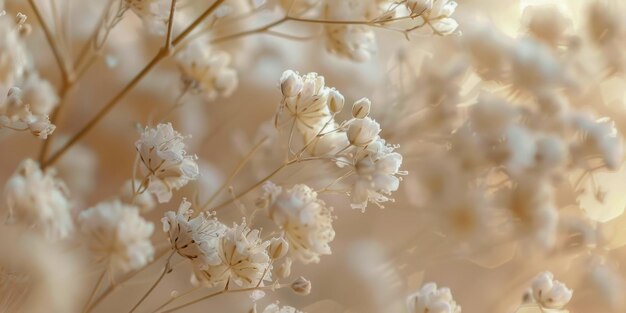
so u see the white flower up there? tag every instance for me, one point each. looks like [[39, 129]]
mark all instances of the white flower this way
[[361, 108], [305, 219], [376, 175], [39, 199], [39, 95], [207, 70], [600, 137], [309, 107], [115, 232], [521, 148], [244, 259], [430, 299], [275, 308], [194, 238], [362, 132], [153, 13], [550, 293], [16, 115], [437, 13], [165, 161], [419, 6], [290, 83], [355, 42]]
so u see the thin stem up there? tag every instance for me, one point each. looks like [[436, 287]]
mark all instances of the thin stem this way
[[124, 279], [172, 299], [144, 72], [95, 289], [65, 89], [239, 167], [251, 188], [219, 293], [170, 28], [56, 51], [166, 269]]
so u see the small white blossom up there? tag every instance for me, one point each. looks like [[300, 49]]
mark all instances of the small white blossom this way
[[550, 293], [430, 299], [39, 94], [14, 58], [309, 107], [376, 175], [305, 219], [207, 70], [165, 161], [243, 256], [17, 115], [38, 199], [116, 233], [361, 108], [362, 132], [290, 83], [153, 13], [194, 238]]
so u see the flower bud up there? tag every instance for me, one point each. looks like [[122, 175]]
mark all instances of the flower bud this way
[[290, 83], [363, 132], [361, 108], [278, 248], [335, 101], [301, 286]]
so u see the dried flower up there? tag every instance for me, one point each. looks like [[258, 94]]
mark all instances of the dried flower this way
[[165, 161], [243, 256], [116, 233], [550, 293], [207, 70], [432, 299], [305, 219], [362, 132], [194, 238], [37, 198], [361, 108]]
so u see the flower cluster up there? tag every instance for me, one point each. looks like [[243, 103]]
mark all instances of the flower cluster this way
[[166, 165], [36, 198], [432, 299], [550, 293], [116, 234]]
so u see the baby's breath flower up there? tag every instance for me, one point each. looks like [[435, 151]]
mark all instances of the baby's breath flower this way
[[153, 13], [290, 83], [36, 198], [362, 132], [17, 115], [550, 293], [243, 256], [194, 238], [430, 299], [39, 94], [305, 219], [301, 286], [115, 232], [165, 161], [376, 175], [207, 70], [309, 107]]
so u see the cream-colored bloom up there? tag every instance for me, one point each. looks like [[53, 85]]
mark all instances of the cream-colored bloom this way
[[430, 299], [376, 175], [243, 256], [38, 199], [207, 70], [194, 238], [362, 132], [165, 161], [17, 115], [115, 232], [14, 58], [39, 95], [351, 41], [309, 106], [305, 219], [153, 13], [550, 293]]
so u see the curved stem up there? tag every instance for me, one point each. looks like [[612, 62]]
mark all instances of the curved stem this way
[[162, 54], [95, 289], [166, 269]]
